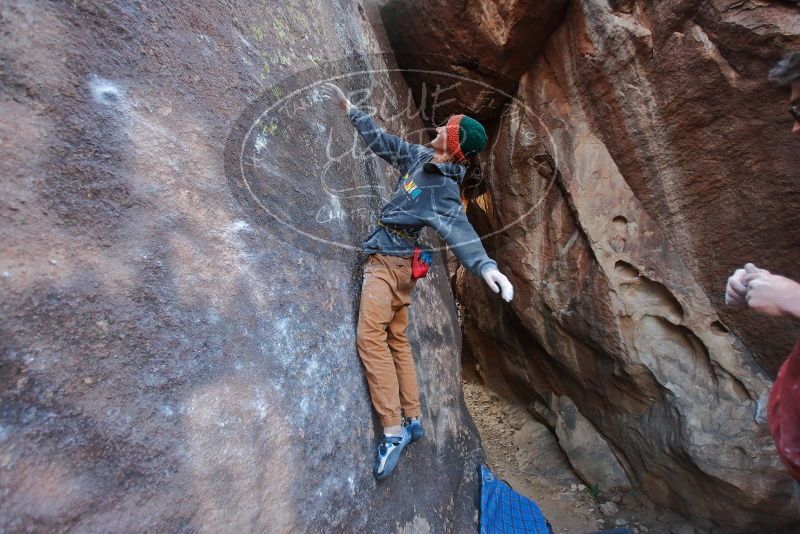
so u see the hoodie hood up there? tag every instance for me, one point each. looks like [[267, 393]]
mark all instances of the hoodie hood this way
[[456, 171]]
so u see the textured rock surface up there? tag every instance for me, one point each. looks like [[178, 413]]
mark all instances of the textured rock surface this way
[[677, 92], [490, 43], [539, 454], [587, 450], [619, 258], [171, 360]]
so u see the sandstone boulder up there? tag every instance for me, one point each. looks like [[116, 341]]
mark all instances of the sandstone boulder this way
[[587, 450], [619, 252], [173, 357], [489, 44], [678, 94], [538, 453]]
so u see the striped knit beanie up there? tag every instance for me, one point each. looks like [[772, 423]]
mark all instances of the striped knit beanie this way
[[465, 137]]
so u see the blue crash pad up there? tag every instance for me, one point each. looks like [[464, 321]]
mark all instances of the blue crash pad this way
[[504, 511]]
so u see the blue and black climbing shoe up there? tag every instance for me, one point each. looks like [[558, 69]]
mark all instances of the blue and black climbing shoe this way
[[414, 427], [389, 452]]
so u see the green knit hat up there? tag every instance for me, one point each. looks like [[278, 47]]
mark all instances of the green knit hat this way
[[465, 136]]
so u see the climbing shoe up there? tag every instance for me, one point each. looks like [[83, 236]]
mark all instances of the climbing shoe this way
[[414, 427], [389, 452]]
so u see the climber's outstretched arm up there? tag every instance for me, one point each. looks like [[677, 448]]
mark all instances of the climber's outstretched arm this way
[[447, 217], [396, 151]]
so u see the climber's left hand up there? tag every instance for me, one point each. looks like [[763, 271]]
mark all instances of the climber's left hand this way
[[497, 281]]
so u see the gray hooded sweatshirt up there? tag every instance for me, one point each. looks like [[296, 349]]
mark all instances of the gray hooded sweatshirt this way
[[427, 194]]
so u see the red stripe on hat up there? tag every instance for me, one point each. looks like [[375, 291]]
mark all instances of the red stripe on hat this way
[[453, 144]]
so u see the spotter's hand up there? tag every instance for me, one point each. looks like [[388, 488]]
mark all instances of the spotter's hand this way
[[735, 290], [771, 294]]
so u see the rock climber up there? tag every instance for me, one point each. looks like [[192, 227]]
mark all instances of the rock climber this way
[[778, 296], [427, 194]]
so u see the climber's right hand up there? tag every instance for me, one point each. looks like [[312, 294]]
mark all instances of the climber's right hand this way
[[332, 92], [771, 294]]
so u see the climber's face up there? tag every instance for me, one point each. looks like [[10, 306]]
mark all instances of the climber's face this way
[[795, 107], [440, 141]]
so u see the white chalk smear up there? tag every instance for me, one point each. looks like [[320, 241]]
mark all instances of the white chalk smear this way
[[260, 407], [260, 142], [239, 226], [334, 211], [107, 93]]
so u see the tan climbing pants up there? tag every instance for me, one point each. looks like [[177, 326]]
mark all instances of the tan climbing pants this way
[[381, 337]]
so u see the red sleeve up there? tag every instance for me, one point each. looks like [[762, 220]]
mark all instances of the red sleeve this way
[[783, 412]]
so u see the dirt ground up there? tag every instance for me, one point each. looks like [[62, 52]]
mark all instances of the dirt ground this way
[[569, 505]]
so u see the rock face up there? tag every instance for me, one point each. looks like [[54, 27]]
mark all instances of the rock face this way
[[173, 357], [586, 449], [180, 275], [644, 158], [678, 93], [489, 43], [621, 190]]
